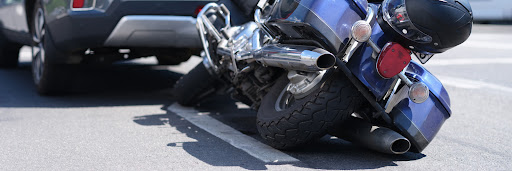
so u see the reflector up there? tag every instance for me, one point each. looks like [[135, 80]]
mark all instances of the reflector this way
[[78, 3], [393, 59]]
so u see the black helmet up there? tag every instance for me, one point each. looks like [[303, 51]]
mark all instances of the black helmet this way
[[431, 26]]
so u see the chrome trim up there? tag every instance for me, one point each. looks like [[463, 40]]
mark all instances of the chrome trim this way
[[224, 11], [211, 29], [370, 16], [353, 44], [397, 96], [302, 84], [202, 34], [374, 46], [392, 97], [295, 57], [261, 4], [392, 87], [260, 23], [154, 31], [404, 78], [208, 66]]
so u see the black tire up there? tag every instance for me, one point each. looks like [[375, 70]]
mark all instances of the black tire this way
[[193, 87], [49, 77], [9, 53], [308, 118], [174, 57]]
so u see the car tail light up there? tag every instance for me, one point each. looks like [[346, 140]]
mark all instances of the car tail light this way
[[82, 5], [392, 60], [78, 3], [198, 10]]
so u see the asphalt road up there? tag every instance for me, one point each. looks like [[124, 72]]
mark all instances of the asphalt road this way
[[116, 118]]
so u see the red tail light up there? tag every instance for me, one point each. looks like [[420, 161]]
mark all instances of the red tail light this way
[[198, 9], [78, 3], [392, 60]]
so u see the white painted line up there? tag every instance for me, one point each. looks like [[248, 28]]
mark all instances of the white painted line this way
[[489, 37], [248, 144], [469, 61], [487, 45], [471, 84]]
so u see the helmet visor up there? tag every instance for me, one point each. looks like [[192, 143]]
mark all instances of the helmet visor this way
[[395, 14]]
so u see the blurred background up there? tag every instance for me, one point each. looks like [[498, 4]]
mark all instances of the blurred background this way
[[492, 11]]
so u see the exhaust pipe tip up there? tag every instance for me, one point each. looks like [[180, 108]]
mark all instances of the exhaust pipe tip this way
[[325, 61], [377, 138], [400, 146]]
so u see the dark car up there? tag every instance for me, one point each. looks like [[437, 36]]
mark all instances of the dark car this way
[[64, 32]]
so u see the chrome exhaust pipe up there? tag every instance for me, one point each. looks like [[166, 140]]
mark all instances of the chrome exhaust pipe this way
[[295, 57], [373, 137]]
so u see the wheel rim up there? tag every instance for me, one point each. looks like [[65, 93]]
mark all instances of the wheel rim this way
[[285, 99], [297, 88], [38, 52]]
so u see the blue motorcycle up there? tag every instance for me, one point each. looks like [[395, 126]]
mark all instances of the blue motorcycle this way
[[339, 67]]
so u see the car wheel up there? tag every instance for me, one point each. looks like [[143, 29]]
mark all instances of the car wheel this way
[[8, 53], [286, 121], [48, 77]]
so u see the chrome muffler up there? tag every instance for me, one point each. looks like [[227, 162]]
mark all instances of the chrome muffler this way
[[376, 138], [295, 57]]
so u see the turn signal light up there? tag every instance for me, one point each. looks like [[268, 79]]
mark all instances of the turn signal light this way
[[392, 60], [361, 31], [418, 92]]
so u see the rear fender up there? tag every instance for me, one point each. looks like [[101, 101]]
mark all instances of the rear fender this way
[[421, 122]]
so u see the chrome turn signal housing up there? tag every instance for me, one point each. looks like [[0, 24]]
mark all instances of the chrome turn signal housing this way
[[361, 31], [418, 92]]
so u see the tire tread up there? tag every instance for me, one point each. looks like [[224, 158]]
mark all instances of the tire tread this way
[[335, 101]]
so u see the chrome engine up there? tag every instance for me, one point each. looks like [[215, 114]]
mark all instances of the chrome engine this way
[[250, 60]]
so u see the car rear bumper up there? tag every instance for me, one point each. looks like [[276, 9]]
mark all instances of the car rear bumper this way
[[155, 31], [126, 24]]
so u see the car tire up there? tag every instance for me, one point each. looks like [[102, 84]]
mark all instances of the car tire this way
[[49, 77], [9, 53], [307, 118]]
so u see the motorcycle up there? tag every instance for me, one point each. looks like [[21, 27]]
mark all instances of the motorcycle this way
[[312, 67]]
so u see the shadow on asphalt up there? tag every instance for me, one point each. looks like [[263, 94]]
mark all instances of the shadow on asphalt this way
[[208, 148], [107, 85], [327, 153]]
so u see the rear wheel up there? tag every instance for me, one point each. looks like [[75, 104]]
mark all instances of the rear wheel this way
[[49, 77], [286, 120]]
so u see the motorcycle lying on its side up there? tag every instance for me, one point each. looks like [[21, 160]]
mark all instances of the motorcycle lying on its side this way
[[312, 67]]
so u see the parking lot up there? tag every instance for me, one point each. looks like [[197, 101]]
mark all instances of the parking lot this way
[[123, 117]]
